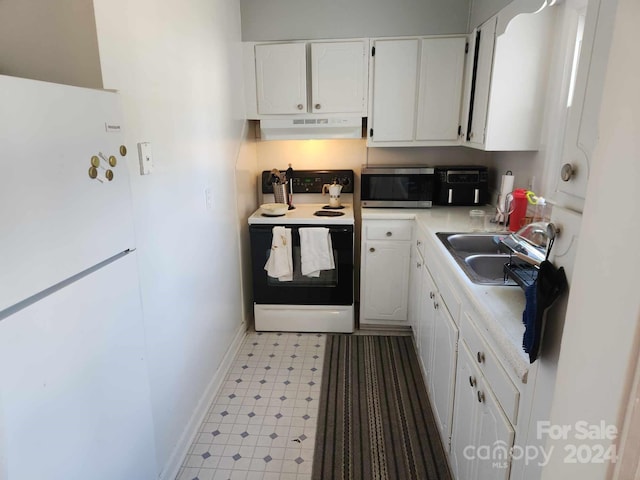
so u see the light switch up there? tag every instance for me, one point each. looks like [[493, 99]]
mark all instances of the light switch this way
[[146, 158]]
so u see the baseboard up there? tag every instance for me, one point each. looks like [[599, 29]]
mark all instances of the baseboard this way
[[172, 467]]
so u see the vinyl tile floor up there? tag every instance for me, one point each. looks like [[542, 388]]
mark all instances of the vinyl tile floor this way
[[262, 423]]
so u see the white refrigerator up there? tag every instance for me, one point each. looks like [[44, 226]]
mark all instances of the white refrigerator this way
[[74, 389]]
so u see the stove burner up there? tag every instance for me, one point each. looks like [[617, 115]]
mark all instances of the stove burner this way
[[324, 213], [328, 207]]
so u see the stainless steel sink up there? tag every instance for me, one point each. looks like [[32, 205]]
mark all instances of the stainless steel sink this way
[[488, 269], [473, 243], [479, 256]]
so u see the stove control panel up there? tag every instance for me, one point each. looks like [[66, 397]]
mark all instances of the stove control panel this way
[[311, 181]]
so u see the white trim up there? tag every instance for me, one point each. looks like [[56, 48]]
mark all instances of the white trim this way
[[172, 467]]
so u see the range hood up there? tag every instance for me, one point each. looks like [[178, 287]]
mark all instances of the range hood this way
[[305, 128]]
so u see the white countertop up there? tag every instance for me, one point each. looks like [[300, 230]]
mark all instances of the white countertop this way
[[499, 307]]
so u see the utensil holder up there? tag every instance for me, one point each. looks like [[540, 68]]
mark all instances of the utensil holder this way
[[281, 193]]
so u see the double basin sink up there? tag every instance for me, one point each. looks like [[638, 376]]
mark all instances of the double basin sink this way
[[479, 256]]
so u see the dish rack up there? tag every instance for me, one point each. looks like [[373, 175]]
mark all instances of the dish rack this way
[[523, 274], [527, 249]]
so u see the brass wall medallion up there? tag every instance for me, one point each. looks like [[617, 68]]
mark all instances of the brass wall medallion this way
[[95, 161], [112, 161], [123, 150], [109, 175], [93, 172]]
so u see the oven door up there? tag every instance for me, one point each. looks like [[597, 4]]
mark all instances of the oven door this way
[[332, 287]]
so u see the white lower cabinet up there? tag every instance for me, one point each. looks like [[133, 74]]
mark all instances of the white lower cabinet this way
[[438, 343], [482, 436], [426, 328], [385, 265], [443, 370]]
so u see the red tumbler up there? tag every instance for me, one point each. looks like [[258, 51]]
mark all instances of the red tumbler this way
[[519, 209]]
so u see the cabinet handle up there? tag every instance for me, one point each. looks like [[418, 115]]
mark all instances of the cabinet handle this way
[[567, 172], [480, 397], [472, 381], [317, 106], [372, 249], [480, 357], [471, 135], [300, 106], [389, 234]]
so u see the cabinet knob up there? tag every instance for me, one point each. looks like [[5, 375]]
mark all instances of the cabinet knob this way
[[372, 249], [480, 357], [435, 305], [472, 381], [317, 106], [480, 397], [389, 234], [418, 264], [471, 135], [300, 106], [431, 295], [418, 242], [567, 172]]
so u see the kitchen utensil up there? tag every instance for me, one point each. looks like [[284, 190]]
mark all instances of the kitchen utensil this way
[[289, 175], [334, 193], [281, 193], [274, 209]]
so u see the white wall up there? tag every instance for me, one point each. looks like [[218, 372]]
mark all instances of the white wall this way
[[483, 10], [176, 65], [54, 41], [310, 19], [598, 352]]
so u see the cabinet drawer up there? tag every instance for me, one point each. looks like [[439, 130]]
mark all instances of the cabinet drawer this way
[[502, 386], [389, 230]]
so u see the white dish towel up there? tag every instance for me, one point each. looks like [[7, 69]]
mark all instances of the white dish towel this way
[[316, 251], [280, 262]]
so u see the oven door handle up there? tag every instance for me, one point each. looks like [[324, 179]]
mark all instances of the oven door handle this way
[[332, 229]]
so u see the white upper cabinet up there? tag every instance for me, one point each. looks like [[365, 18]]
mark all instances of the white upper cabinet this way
[[394, 87], [338, 77], [440, 89], [281, 78], [416, 89], [590, 28], [301, 78], [506, 79]]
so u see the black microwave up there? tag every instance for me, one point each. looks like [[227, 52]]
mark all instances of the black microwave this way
[[397, 187]]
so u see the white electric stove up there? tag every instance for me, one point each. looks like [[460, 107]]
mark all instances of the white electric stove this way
[[305, 303]]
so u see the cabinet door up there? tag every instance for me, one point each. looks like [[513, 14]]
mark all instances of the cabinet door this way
[[581, 134], [338, 73], [482, 50], [465, 414], [443, 371], [440, 91], [496, 433], [415, 294], [281, 78], [394, 90], [386, 280], [427, 318]]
